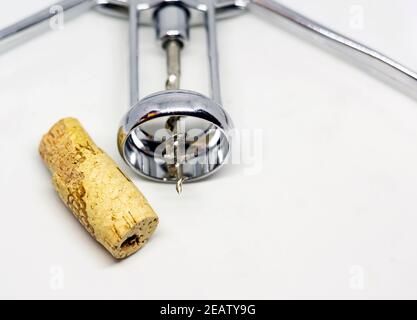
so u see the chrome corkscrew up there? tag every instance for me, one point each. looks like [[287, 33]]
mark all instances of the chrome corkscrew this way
[[175, 135], [178, 135]]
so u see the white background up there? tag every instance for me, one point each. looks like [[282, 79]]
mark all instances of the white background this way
[[331, 212]]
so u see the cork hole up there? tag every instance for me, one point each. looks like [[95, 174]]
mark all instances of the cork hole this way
[[130, 242]]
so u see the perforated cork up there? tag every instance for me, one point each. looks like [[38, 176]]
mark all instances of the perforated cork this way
[[92, 186]]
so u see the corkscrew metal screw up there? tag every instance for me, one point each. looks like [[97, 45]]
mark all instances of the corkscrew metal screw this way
[[179, 135]]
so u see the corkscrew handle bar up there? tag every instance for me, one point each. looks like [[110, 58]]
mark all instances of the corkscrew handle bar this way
[[373, 61], [67, 6]]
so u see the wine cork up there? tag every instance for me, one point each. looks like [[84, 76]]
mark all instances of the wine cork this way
[[92, 186]]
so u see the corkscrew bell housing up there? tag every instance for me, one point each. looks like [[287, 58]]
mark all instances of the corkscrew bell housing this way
[[178, 135]]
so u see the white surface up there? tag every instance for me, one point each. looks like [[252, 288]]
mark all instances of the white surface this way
[[332, 213]]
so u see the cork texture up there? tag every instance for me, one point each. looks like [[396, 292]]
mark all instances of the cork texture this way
[[92, 186]]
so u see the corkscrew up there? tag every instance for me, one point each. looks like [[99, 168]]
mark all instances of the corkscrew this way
[[178, 135]]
